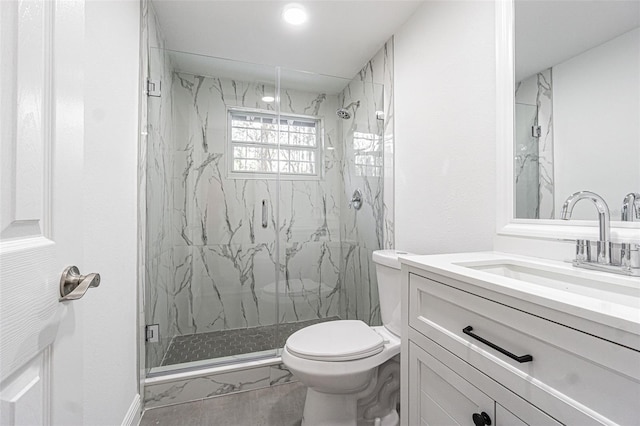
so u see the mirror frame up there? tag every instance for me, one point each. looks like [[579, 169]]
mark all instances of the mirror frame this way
[[507, 224]]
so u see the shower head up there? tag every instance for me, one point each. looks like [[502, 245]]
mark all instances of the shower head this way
[[344, 111]]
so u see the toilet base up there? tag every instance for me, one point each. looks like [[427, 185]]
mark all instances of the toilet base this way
[[324, 409], [343, 411], [372, 406]]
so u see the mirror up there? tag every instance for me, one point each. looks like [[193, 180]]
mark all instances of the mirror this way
[[577, 105]]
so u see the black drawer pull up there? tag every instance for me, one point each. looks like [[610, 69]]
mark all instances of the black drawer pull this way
[[524, 358]]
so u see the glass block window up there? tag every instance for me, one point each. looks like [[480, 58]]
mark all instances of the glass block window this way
[[367, 149], [254, 142]]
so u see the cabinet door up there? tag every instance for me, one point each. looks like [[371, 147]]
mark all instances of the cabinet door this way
[[439, 396], [505, 417]]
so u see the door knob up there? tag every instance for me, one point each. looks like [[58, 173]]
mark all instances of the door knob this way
[[481, 419], [73, 285]]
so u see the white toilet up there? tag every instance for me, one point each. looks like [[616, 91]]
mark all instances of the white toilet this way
[[351, 370]]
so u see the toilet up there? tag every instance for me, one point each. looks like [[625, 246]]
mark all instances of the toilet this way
[[351, 370]]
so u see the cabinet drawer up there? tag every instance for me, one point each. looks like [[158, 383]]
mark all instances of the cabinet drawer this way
[[569, 368]]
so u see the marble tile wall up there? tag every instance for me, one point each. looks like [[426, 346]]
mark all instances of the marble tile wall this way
[[367, 140], [175, 391], [534, 155]]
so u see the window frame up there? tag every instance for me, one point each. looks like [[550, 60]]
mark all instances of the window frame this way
[[319, 149]]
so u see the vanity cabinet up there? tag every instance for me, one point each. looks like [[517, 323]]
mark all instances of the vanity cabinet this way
[[471, 350], [447, 398]]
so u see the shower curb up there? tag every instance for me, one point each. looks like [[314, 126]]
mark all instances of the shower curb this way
[[176, 388]]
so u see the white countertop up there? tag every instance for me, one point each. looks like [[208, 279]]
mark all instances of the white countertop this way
[[610, 300]]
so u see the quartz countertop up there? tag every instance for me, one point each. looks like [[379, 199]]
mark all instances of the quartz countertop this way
[[600, 303]]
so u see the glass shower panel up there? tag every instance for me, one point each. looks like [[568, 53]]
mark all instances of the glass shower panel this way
[[211, 235], [526, 162], [361, 229], [325, 246]]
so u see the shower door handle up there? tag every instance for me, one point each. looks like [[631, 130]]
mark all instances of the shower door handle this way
[[264, 213]]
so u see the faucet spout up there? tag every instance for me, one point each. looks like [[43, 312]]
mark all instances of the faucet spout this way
[[603, 220], [631, 207]]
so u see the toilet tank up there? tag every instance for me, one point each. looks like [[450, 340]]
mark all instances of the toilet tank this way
[[388, 274]]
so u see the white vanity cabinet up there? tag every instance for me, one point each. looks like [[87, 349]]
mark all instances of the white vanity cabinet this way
[[466, 351]]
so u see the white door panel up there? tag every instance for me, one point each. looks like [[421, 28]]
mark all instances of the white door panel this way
[[41, 131]]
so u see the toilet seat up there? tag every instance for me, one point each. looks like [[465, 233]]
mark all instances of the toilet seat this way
[[344, 340]]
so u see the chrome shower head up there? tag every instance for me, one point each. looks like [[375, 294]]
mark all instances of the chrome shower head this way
[[344, 111]]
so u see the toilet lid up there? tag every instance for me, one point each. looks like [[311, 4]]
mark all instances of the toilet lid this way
[[344, 340]]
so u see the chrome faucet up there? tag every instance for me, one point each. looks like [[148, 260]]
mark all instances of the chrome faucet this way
[[604, 256], [630, 252], [631, 207]]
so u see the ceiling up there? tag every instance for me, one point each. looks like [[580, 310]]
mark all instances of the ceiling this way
[[209, 66], [337, 40], [550, 32]]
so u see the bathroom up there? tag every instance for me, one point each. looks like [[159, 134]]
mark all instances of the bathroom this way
[[429, 144]]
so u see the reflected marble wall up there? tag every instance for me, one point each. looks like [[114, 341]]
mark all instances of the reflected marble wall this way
[[535, 152]]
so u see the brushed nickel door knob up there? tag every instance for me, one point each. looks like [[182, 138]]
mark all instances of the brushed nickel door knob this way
[[73, 285]]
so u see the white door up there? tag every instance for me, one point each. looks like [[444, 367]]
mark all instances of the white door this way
[[41, 154]]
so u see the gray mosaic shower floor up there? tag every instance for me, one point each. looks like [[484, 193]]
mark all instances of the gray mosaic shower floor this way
[[216, 344]]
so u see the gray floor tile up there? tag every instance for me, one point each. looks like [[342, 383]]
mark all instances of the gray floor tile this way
[[187, 414], [280, 405]]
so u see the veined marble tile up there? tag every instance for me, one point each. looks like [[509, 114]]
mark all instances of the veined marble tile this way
[[157, 395], [310, 285], [280, 374]]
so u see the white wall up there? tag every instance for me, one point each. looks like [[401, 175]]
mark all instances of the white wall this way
[[445, 128], [111, 140], [595, 111]]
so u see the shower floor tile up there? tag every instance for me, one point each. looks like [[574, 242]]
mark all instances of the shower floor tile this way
[[217, 344]]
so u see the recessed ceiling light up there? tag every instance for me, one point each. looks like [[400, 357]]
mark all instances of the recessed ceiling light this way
[[268, 99], [294, 14]]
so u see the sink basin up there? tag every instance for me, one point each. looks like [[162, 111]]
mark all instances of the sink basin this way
[[565, 280]]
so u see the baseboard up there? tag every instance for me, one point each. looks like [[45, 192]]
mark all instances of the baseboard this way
[[132, 418]]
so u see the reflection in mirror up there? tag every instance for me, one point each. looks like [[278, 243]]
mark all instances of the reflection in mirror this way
[[577, 111]]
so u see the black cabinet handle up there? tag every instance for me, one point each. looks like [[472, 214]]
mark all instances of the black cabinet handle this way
[[481, 419], [523, 358]]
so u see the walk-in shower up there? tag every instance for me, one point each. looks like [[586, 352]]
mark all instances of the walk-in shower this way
[[249, 234]]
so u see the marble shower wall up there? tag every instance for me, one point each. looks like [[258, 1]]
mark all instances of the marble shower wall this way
[[367, 165], [534, 155]]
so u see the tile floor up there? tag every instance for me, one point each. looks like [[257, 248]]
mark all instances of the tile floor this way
[[216, 344], [279, 405]]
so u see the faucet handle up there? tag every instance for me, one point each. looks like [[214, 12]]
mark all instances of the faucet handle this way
[[583, 250], [631, 207]]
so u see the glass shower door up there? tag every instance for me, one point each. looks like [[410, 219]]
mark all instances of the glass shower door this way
[[311, 201], [211, 234]]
